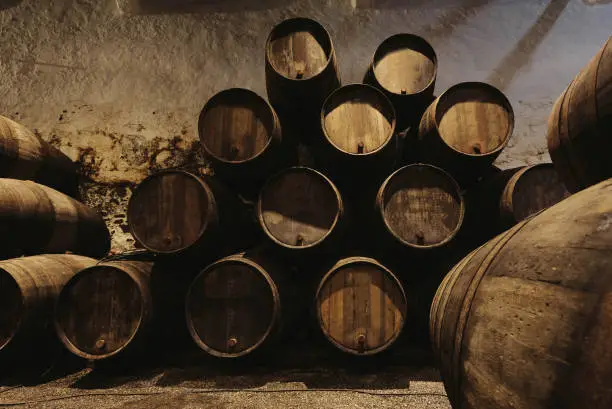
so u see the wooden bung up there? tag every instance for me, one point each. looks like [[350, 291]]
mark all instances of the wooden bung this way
[[361, 306], [534, 304]]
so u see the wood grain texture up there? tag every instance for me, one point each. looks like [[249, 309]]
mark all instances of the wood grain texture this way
[[298, 54], [532, 304], [579, 126], [361, 306], [299, 208], [358, 119], [232, 307], [421, 206], [171, 211], [29, 287], [103, 308]]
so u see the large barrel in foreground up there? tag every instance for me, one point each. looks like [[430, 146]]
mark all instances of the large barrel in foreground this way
[[361, 306], [25, 156], [35, 219], [466, 128], [525, 321], [29, 287], [580, 125]]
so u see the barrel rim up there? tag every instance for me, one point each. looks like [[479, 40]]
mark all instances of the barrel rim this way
[[221, 94], [495, 91], [385, 100], [342, 263], [233, 259], [22, 309], [380, 197], [211, 204], [306, 21], [316, 173], [63, 337], [411, 38]]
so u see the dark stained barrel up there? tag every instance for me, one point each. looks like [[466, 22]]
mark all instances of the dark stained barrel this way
[[532, 304], [175, 211], [358, 124], [420, 207], [25, 156], [241, 135], [404, 67], [301, 71], [29, 287], [36, 219], [234, 306], [361, 306], [580, 125], [466, 128], [105, 309], [300, 209]]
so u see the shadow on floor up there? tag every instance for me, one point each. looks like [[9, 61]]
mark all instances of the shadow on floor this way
[[197, 6]]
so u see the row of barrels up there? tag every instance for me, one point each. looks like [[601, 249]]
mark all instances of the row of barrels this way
[[419, 208]]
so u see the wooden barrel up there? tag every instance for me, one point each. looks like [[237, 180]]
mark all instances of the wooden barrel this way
[[300, 209], [532, 304], [301, 71], [361, 306], [105, 309], [420, 207], [233, 307], [466, 127], [175, 211], [358, 124], [36, 219], [25, 156], [580, 125], [29, 287], [241, 135], [404, 67]]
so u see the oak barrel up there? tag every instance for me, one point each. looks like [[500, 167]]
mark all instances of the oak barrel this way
[[420, 207], [525, 320], [580, 125], [404, 67], [25, 156], [241, 135], [29, 287], [358, 124], [361, 306], [300, 209], [36, 219], [234, 306], [466, 127], [301, 71], [175, 211], [106, 308]]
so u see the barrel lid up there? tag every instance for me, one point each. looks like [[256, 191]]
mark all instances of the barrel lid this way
[[100, 311], [299, 208], [232, 307], [358, 119], [299, 48], [169, 211], [421, 206], [405, 64], [474, 118], [236, 126], [361, 306], [12, 308]]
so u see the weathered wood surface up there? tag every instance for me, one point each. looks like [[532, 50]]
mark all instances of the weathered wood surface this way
[[525, 320], [36, 219], [580, 125], [361, 306], [29, 287]]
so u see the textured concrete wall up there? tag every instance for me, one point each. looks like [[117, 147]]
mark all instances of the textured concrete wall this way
[[118, 84]]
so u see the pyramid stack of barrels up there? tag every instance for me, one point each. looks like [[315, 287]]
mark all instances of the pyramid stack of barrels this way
[[398, 185]]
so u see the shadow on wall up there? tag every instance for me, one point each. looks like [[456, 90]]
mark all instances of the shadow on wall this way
[[196, 6], [522, 52], [7, 4]]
